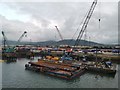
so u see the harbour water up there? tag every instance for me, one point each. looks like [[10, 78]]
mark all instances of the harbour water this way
[[14, 75]]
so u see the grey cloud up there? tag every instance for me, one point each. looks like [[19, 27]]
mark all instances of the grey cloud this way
[[67, 16]]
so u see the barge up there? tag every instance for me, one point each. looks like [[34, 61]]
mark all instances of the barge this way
[[9, 56], [102, 68], [56, 69], [110, 70], [55, 66]]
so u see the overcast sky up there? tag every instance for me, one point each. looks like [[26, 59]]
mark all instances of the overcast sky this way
[[40, 18]]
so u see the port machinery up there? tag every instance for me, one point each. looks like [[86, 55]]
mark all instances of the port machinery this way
[[5, 40], [85, 23], [9, 52], [59, 33]]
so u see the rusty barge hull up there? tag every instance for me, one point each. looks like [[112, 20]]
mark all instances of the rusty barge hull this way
[[103, 70], [58, 70], [66, 71]]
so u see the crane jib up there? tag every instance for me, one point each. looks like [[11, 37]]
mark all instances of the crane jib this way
[[85, 22]]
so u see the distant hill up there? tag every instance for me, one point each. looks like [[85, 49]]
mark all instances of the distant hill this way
[[82, 42], [62, 42], [45, 43]]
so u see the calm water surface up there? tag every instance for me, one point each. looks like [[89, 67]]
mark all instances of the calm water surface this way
[[14, 75]]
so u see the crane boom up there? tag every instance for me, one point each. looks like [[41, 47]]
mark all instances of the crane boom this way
[[22, 36], [86, 22], [5, 40], [59, 33]]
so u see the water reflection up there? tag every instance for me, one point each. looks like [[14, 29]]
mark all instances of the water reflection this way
[[97, 75], [15, 76]]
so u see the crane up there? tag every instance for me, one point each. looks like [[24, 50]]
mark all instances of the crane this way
[[84, 26], [22, 36], [59, 33], [5, 40], [8, 48]]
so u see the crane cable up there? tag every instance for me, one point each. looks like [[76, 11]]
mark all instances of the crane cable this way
[[79, 26], [99, 14], [99, 18]]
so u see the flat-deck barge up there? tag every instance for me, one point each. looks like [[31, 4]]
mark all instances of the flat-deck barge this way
[[101, 67], [94, 68], [70, 70], [65, 71]]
